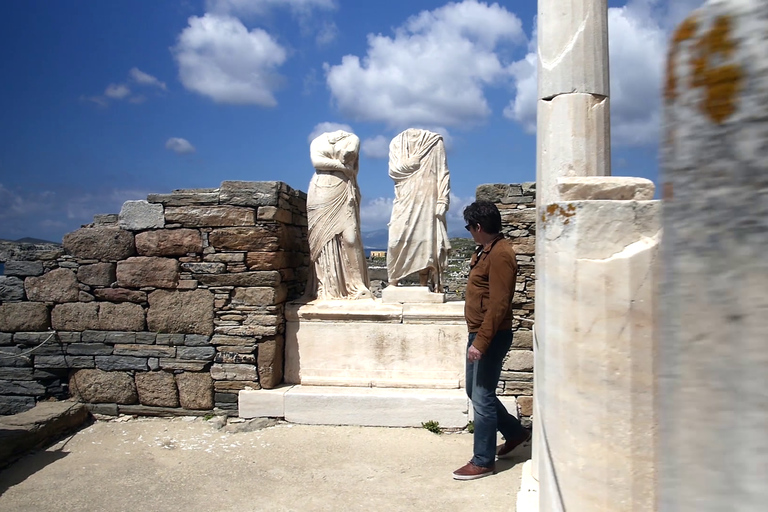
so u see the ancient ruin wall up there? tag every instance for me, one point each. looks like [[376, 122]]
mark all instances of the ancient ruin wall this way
[[175, 303], [517, 204]]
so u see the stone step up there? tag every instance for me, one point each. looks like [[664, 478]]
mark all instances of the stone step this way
[[38, 426], [382, 407]]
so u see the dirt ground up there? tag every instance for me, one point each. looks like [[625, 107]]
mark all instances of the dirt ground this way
[[187, 464]]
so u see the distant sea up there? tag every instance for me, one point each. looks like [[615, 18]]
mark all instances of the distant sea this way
[[377, 240]]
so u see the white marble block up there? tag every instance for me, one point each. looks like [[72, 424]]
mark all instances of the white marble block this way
[[139, 215], [713, 340], [410, 295], [371, 344], [379, 407], [573, 47], [574, 140], [262, 403], [617, 188], [595, 402]]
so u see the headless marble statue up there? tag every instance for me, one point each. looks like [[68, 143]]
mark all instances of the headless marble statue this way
[[333, 215], [418, 237]]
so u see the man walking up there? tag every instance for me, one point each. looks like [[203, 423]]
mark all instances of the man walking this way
[[488, 312]]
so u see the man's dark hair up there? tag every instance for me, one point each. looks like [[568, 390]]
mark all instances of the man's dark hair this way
[[484, 213]]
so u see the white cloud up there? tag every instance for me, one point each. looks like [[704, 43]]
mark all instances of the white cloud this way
[[327, 33], [455, 215], [50, 214], [375, 213], [220, 58], [117, 91], [261, 7], [638, 49], [376, 147], [322, 128], [123, 92], [523, 108], [143, 78], [638, 35], [99, 100], [179, 146], [432, 72]]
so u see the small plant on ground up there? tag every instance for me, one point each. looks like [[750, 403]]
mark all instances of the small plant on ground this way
[[432, 426], [471, 427], [208, 416]]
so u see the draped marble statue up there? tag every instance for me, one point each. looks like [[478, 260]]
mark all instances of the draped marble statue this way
[[418, 237], [333, 215]]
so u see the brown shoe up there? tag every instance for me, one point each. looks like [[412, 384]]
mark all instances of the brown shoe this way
[[506, 450], [472, 472]]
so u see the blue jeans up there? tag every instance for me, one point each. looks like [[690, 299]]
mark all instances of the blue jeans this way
[[490, 415]]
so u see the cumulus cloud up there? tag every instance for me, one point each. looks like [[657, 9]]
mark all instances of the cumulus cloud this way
[[638, 35], [432, 71], [179, 146], [455, 217], [143, 78], [376, 147], [117, 91], [122, 91], [523, 107], [322, 128], [375, 213], [220, 58]]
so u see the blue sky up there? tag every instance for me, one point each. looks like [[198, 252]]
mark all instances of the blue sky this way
[[103, 102]]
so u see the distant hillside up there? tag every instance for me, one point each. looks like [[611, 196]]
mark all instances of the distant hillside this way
[[376, 240], [28, 249], [28, 240]]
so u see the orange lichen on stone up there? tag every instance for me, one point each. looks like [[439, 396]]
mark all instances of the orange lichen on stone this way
[[722, 83], [556, 210], [684, 32]]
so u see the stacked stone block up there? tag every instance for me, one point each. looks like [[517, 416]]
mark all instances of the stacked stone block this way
[[177, 302], [517, 204]]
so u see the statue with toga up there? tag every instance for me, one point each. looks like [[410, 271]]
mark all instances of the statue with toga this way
[[418, 236], [333, 215]]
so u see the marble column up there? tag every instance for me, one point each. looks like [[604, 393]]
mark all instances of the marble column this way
[[713, 339], [573, 131]]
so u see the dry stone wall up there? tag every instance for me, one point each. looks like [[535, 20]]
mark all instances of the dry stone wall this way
[[517, 204], [177, 302]]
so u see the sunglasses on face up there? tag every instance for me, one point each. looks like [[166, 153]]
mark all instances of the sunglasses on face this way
[[469, 227]]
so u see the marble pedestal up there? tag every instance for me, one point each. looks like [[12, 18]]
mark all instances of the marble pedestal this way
[[367, 343], [595, 408]]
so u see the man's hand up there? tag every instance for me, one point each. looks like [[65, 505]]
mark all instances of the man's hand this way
[[473, 354]]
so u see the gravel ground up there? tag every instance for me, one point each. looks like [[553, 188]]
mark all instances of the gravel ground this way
[[188, 464]]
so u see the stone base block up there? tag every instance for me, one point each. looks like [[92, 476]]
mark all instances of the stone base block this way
[[340, 343], [375, 407], [262, 403], [528, 495], [410, 295]]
